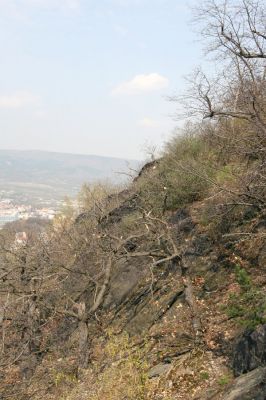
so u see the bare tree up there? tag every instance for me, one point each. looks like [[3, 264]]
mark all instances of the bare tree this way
[[235, 32], [232, 101]]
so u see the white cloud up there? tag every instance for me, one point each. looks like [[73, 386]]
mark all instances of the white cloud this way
[[148, 123], [141, 84], [18, 100]]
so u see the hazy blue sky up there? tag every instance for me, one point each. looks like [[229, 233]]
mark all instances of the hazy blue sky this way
[[91, 76]]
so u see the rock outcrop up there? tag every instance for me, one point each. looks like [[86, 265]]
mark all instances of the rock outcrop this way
[[250, 351]]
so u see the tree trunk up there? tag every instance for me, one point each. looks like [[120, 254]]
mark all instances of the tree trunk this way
[[83, 337], [83, 344], [31, 335]]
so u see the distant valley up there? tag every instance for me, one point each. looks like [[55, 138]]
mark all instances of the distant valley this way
[[43, 178]]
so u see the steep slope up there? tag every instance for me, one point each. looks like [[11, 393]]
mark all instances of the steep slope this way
[[178, 319]]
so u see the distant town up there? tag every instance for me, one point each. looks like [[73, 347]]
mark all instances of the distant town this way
[[10, 211]]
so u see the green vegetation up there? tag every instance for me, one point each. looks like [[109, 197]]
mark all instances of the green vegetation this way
[[126, 365], [62, 378], [243, 278], [183, 175], [249, 305], [204, 375], [224, 380]]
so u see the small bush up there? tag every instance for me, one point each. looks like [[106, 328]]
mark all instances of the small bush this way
[[204, 375], [224, 380], [242, 278]]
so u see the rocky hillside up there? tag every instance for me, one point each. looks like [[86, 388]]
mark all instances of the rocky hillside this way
[[156, 291], [174, 309]]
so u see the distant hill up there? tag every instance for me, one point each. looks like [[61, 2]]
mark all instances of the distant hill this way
[[40, 176]]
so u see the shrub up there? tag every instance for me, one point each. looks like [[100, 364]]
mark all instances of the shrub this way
[[249, 305], [125, 376], [184, 174]]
